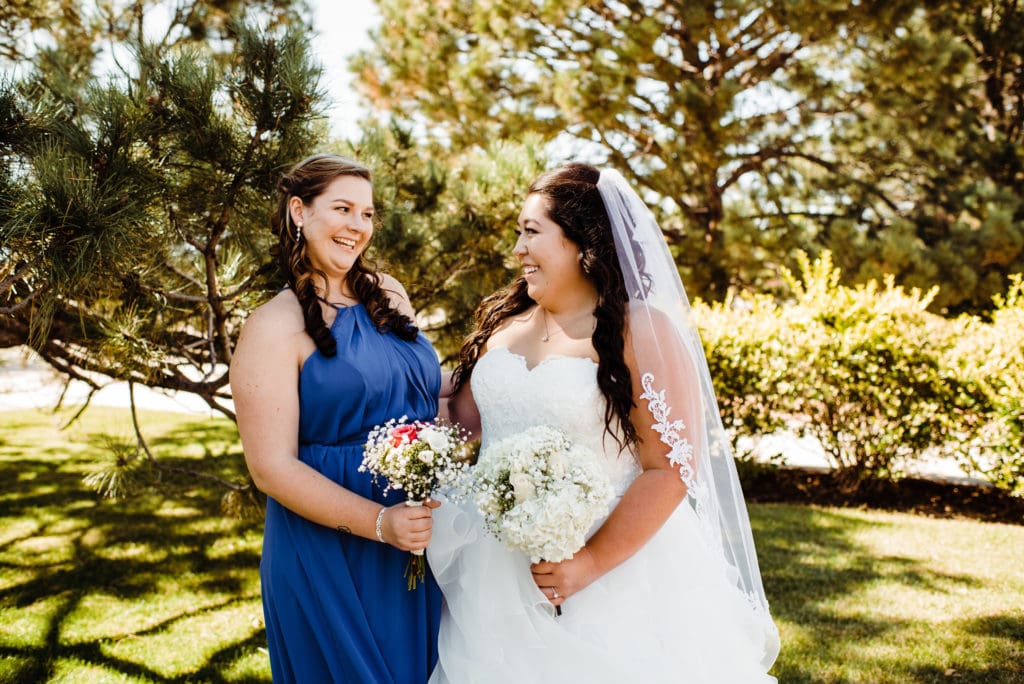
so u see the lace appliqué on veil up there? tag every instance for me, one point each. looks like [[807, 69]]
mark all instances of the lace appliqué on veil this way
[[681, 454]]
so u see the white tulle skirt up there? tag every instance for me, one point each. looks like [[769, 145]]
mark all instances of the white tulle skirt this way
[[667, 614]]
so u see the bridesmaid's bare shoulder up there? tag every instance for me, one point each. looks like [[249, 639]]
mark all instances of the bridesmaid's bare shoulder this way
[[397, 295], [281, 313], [275, 329]]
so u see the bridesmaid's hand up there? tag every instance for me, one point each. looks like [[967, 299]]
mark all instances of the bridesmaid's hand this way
[[559, 581], [408, 527]]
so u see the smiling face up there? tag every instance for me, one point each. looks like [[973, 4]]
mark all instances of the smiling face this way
[[336, 225], [550, 260]]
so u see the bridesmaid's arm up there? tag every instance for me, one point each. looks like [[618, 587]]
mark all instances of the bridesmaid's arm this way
[[264, 385], [656, 492]]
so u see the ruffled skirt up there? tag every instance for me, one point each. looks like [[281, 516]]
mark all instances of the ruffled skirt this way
[[667, 614]]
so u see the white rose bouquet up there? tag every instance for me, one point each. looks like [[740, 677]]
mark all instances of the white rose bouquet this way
[[417, 458], [540, 493]]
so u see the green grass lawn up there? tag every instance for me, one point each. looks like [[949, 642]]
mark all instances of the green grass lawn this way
[[161, 587]]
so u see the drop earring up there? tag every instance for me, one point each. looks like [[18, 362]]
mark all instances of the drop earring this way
[[298, 232]]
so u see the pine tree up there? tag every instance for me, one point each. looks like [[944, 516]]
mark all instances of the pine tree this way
[[134, 220], [937, 125], [134, 203], [887, 132], [696, 101]]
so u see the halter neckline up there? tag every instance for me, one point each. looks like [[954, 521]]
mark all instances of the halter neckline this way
[[336, 306]]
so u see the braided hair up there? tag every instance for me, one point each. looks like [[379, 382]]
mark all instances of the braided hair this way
[[306, 180]]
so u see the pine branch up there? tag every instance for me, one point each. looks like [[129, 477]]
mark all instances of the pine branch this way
[[14, 308], [163, 467]]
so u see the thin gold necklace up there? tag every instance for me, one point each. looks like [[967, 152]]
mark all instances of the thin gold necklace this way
[[544, 317]]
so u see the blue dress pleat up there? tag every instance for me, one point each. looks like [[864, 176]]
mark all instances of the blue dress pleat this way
[[336, 605]]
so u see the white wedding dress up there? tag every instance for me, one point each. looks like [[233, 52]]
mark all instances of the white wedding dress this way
[[667, 614]]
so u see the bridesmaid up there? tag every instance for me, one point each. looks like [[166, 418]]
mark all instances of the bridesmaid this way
[[316, 367]]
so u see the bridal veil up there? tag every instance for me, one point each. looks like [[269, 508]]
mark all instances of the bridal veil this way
[[680, 399]]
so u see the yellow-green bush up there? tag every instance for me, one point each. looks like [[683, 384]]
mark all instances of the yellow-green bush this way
[[991, 358], [869, 372], [750, 369]]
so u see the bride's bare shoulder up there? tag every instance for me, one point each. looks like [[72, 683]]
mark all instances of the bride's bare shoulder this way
[[647, 323], [510, 329]]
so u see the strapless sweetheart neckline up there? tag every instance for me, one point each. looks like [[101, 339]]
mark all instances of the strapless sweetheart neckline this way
[[550, 358]]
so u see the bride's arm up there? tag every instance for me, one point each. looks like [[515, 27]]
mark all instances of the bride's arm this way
[[445, 396], [658, 490], [461, 408]]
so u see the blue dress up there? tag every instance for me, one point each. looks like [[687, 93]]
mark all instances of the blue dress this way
[[336, 605]]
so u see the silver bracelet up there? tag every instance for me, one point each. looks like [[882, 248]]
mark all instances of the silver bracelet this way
[[380, 521]]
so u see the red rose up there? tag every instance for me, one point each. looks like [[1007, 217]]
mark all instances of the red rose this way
[[403, 433]]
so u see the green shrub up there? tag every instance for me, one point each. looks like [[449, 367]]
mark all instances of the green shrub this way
[[870, 373], [743, 342], [991, 358], [867, 368]]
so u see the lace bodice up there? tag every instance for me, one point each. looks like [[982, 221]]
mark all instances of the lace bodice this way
[[560, 391]]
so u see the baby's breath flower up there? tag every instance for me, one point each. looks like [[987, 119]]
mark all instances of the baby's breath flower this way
[[540, 493], [417, 458]]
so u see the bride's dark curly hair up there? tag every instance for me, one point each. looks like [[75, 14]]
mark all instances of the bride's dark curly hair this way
[[306, 180], [575, 204]]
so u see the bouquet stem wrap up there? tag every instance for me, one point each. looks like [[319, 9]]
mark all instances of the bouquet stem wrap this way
[[416, 568]]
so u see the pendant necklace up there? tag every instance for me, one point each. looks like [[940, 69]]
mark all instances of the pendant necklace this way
[[544, 316], [547, 336]]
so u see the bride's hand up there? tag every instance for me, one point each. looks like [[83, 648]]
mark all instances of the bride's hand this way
[[558, 581]]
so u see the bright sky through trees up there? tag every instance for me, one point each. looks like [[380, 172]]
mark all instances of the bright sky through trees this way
[[342, 27]]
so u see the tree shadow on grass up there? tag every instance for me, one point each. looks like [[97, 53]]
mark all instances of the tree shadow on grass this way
[[811, 560], [1004, 634], [86, 573], [90, 558]]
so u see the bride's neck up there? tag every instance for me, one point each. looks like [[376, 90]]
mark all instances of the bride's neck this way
[[572, 304]]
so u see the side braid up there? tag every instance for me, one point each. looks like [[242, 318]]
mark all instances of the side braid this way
[[365, 282], [613, 377]]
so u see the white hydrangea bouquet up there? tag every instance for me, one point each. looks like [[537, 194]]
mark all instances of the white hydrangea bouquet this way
[[417, 458], [540, 493]]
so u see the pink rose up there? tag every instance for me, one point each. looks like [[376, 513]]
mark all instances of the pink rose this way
[[403, 433]]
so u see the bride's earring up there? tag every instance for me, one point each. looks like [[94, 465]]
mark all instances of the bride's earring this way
[[298, 232]]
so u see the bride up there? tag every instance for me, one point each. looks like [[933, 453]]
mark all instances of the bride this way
[[594, 339]]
